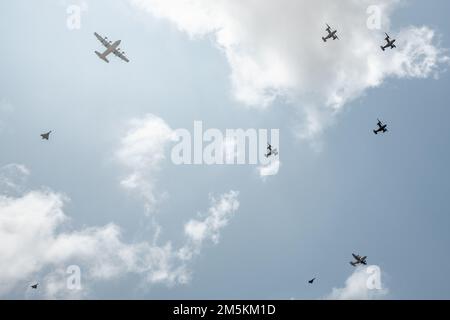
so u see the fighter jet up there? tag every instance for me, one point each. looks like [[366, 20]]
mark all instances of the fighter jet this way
[[271, 151], [110, 48], [331, 34], [46, 136], [359, 260], [34, 286], [311, 281], [390, 43], [381, 128]]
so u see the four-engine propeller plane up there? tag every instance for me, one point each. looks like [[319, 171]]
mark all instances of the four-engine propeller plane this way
[[110, 48]]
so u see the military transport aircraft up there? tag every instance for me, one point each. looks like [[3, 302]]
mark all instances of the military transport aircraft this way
[[46, 136], [359, 260], [331, 34], [381, 128], [390, 43], [34, 286], [110, 48], [271, 151]]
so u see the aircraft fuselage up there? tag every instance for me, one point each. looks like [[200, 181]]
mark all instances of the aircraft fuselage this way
[[330, 35], [390, 44], [381, 129], [113, 47]]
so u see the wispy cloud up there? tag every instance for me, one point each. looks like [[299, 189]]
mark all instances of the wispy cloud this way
[[141, 153], [208, 228], [13, 177]]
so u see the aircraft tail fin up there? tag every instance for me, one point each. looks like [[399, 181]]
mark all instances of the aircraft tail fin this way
[[374, 131], [101, 56], [382, 48], [324, 40]]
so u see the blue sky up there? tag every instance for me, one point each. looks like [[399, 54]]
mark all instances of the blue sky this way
[[339, 190]]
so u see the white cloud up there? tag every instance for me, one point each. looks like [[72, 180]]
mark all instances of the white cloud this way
[[12, 177], [36, 241], [208, 228], [141, 153], [270, 169], [275, 50], [358, 286]]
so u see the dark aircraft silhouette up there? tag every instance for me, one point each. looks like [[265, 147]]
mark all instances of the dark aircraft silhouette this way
[[46, 136], [34, 286], [271, 151], [331, 34], [381, 128], [359, 260], [390, 43], [311, 281]]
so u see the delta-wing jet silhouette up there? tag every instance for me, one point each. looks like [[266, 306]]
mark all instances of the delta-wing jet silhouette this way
[[46, 136]]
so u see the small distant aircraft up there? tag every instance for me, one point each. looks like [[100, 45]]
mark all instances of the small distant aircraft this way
[[331, 34], [359, 260], [110, 48], [34, 286], [46, 136], [311, 281], [390, 43], [271, 151], [381, 128]]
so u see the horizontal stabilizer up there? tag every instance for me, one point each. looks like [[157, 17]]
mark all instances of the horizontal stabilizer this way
[[101, 56]]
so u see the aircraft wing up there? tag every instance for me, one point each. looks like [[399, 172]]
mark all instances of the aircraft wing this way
[[121, 55], [102, 40], [355, 256], [387, 37]]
